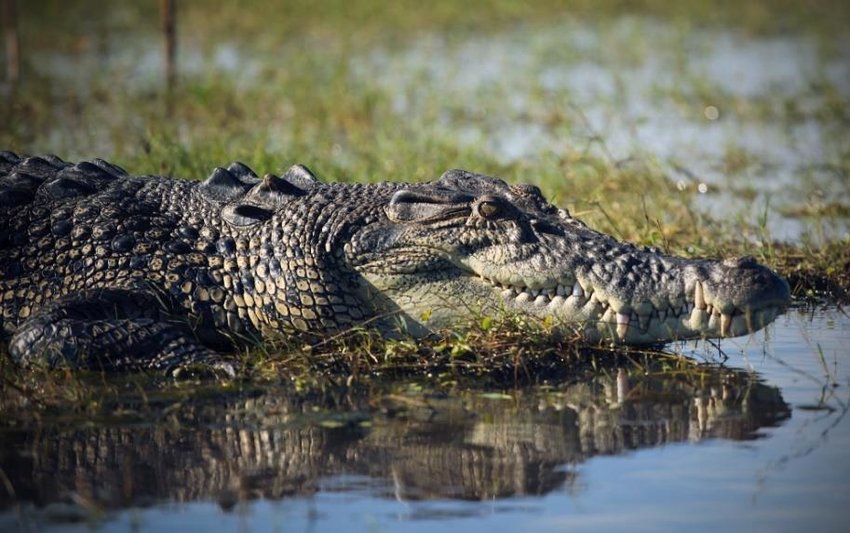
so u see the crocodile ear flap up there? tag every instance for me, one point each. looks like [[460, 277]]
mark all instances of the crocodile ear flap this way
[[406, 206]]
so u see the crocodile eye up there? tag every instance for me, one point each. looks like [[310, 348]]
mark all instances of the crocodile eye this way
[[488, 209]]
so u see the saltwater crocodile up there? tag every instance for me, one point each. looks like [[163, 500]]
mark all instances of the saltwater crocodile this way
[[101, 269]]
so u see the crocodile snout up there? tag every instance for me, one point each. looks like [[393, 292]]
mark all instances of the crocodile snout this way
[[737, 296]]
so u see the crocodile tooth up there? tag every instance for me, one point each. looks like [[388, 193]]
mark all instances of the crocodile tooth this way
[[558, 300], [535, 292], [699, 318], [577, 290], [561, 290], [699, 296], [622, 325], [507, 293], [548, 292], [622, 385], [619, 306], [541, 301], [725, 322], [643, 322], [523, 297]]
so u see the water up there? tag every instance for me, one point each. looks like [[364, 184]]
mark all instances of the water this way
[[760, 441]]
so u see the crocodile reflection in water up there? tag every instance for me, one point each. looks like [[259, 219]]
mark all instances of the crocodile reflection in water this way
[[469, 445]]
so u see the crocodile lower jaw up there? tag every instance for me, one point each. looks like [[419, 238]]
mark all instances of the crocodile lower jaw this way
[[599, 319], [698, 324]]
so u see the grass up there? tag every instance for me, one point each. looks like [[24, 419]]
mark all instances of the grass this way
[[495, 359], [402, 91]]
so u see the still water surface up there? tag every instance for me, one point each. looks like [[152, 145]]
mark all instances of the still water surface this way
[[758, 442]]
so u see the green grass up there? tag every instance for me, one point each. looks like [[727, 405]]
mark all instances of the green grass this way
[[488, 357]]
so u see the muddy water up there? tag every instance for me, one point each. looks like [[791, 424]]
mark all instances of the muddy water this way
[[757, 437]]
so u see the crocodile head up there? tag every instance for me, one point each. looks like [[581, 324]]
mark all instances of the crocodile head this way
[[467, 243]]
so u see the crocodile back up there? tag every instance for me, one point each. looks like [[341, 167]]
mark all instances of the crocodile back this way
[[61, 227], [24, 180]]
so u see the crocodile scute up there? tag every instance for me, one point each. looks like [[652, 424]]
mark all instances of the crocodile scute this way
[[105, 270]]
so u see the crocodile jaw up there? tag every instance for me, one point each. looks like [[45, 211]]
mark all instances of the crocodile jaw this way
[[599, 319], [694, 299]]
